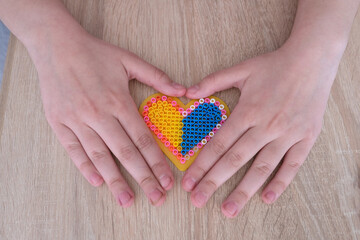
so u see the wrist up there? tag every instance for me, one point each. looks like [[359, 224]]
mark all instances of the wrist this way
[[52, 28], [332, 45], [305, 54], [315, 49], [318, 31]]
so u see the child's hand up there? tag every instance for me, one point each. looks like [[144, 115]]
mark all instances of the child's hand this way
[[84, 86], [279, 114]]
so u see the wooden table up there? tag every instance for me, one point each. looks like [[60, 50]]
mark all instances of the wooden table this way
[[43, 196]]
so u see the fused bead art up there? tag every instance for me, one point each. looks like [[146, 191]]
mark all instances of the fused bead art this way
[[181, 131]]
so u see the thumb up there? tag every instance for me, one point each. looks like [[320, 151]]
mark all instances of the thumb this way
[[151, 76], [218, 81]]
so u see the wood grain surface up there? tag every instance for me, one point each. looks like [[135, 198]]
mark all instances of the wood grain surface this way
[[43, 196]]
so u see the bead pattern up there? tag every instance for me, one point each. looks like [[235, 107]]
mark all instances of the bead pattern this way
[[183, 131], [166, 118], [198, 124]]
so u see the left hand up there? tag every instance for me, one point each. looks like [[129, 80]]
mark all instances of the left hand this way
[[279, 115]]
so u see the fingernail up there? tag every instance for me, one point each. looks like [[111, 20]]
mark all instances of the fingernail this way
[[165, 181], [200, 198], [270, 196], [189, 184], [231, 208], [124, 198], [194, 89], [177, 86], [155, 196], [96, 179]]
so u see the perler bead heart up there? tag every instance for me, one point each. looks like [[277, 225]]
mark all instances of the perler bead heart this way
[[181, 131]]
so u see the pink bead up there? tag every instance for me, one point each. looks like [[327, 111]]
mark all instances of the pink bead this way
[[160, 135], [167, 144], [223, 112], [207, 138], [191, 152], [153, 100], [182, 160], [188, 110], [196, 103], [217, 103], [199, 145], [175, 152], [215, 130], [173, 103], [146, 107], [181, 110], [152, 127], [207, 100], [163, 98], [146, 118], [222, 122]]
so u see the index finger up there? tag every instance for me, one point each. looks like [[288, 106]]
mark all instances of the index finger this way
[[145, 143], [235, 126], [123, 148]]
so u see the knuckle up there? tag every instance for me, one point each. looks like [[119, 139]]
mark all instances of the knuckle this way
[[247, 118], [98, 155], [198, 170], [146, 181], [114, 97], [98, 117], [122, 107], [90, 108], [211, 184], [293, 165], [144, 141], [280, 122], [84, 165], [263, 168], [280, 184], [217, 146], [210, 79], [160, 76], [235, 159], [241, 195], [313, 133], [126, 152], [73, 148], [156, 168], [115, 181]]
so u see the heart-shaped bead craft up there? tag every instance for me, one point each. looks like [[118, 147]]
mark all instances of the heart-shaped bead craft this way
[[182, 131]]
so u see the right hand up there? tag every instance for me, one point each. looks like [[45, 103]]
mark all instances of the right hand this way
[[84, 88]]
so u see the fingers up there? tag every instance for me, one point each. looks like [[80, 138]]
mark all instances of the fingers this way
[[264, 164], [221, 80], [294, 158], [152, 76], [122, 147], [145, 143], [236, 125], [103, 161], [76, 152], [247, 146]]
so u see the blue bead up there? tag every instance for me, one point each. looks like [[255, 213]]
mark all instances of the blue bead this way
[[198, 124]]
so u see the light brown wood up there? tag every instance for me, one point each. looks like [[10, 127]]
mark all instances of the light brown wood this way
[[43, 196]]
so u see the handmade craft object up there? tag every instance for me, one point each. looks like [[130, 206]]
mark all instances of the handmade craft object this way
[[182, 131]]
